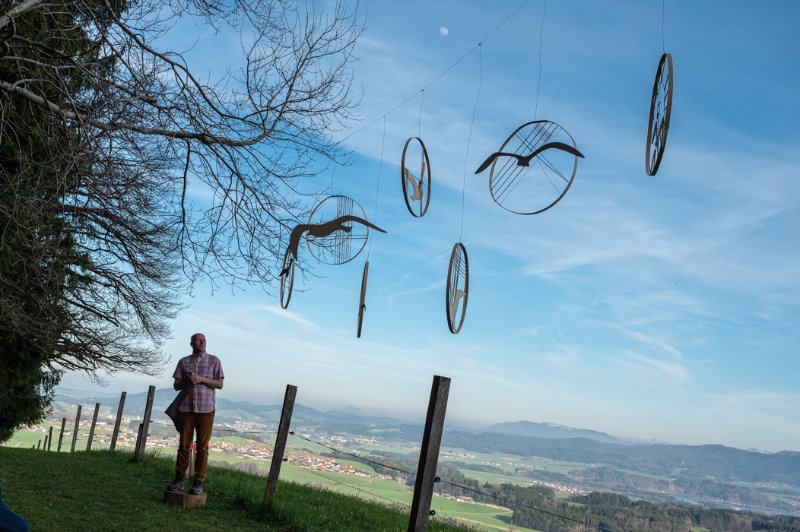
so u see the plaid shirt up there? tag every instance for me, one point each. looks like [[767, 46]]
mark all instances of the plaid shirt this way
[[199, 397]]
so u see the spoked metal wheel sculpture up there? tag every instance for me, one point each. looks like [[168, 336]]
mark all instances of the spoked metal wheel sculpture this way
[[660, 112], [457, 291], [416, 178], [533, 168], [362, 306], [287, 278], [345, 243]]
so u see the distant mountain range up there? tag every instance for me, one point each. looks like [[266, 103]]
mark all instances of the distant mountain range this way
[[550, 430]]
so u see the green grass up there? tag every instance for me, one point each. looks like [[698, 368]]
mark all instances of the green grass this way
[[496, 478], [99, 491], [371, 488]]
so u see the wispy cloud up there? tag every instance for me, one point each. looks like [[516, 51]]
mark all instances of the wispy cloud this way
[[655, 343], [288, 315], [652, 371]]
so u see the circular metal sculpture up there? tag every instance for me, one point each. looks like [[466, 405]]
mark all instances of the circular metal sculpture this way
[[457, 288], [361, 305], [533, 168], [660, 111], [416, 189], [287, 278], [341, 246]]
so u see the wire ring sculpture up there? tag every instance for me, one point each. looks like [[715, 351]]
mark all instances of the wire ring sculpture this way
[[533, 169], [457, 292], [361, 304], [660, 112], [287, 278], [420, 187], [338, 247]]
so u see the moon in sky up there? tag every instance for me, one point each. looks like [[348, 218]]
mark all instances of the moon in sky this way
[[443, 31]]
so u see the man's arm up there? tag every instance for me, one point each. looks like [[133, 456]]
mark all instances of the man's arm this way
[[180, 383], [199, 379]]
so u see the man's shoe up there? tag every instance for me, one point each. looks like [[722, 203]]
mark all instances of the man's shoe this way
[[197, 487], [177, 484]]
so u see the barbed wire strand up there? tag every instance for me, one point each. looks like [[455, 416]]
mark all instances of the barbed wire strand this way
[[354, 487], [353, 455], [511, 505], [467, 488]]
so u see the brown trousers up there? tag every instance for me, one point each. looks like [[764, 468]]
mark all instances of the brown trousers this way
[[191, 422]]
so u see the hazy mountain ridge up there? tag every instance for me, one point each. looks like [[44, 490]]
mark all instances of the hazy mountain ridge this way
[[550, 430]]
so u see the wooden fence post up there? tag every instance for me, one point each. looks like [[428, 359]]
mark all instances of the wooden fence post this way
[[148, 409], [39, 445], [44, 447], [75, 432], [50, 440], [61, 434], [429, 455], [116, 424], [91, 430], [280, 445]]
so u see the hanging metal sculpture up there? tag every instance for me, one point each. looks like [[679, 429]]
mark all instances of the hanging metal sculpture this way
[[416, 189], [362, 306], [660, 112], [287, 277], [457, 291], [533, 168], [340, 242], [325, 234]]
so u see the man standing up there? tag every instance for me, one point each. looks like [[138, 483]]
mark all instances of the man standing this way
[[199, 375]]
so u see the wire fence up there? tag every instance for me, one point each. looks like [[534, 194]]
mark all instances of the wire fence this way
[[360, 491], [500, 500]]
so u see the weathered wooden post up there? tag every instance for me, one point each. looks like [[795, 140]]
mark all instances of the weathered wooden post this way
[[39, 445], [44, 448], [50, 438], [91, 430], [116, 424], [429, 455], [61, 434], [75, 432], [148, 409], [280, 445]]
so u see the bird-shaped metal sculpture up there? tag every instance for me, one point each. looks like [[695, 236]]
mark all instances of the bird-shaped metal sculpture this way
[[525, 160], [325, 229], [417, 185], [454, 301]]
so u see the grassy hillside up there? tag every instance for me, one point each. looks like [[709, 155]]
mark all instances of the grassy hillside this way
[[98, 491]]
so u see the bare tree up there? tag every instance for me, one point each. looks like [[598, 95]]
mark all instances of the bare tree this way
[[106, 132]]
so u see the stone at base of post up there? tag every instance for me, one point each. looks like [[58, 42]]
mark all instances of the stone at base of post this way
[[185, 499]]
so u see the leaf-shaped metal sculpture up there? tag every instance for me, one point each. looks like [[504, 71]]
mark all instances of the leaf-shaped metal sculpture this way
[[457, 290], [533, 168], [660, 112], [341, 244], [362, 306], [416, 189]]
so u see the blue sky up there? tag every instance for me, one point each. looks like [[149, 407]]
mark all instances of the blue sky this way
[[658, 307]]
